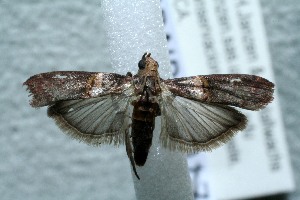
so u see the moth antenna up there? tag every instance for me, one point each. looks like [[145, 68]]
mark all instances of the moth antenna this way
[[144, 56]]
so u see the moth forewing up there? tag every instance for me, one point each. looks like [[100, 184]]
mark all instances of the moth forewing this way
[[241, 90], [48, 88]]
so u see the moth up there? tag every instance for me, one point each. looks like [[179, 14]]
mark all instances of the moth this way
[[196, 112]]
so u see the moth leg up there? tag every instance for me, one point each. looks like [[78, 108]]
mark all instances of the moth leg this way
[[129, 152]]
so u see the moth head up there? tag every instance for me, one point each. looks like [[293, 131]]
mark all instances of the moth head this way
[[148, 65]]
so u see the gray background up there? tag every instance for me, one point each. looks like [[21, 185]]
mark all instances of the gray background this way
[[37, 160]]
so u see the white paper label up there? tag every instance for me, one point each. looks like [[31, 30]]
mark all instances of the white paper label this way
[[228, 36]]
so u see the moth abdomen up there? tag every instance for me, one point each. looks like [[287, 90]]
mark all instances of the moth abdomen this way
[[142, 133], [143, 123]]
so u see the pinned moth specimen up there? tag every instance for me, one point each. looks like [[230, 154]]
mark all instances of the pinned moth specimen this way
[[196, 112]]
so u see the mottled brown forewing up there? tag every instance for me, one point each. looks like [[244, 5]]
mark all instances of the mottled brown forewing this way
[[48, 88], [241, 90]]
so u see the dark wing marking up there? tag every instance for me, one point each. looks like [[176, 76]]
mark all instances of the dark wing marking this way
[[241, 90], [95, 120], [47, 88], [192, 126]]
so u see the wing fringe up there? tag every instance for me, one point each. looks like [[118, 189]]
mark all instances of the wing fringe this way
[[116, 138], [175, 144]]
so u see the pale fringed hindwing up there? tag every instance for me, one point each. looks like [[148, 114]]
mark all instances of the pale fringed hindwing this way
[[115, 138], [175, 144], [95, 121], [191, 126]]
